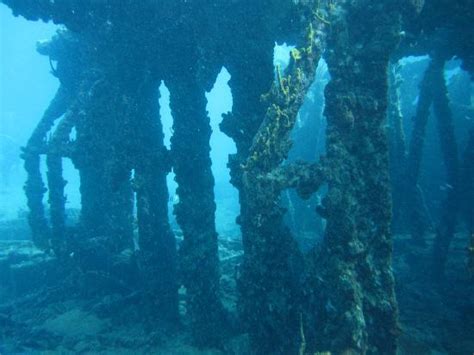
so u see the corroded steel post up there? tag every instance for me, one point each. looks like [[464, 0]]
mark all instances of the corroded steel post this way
[[397, 146], [449, 150], [105, 168], [357, 306], [57, 149], [412, 194], [156, 239], [34, 186], [195, 212], [269, 285]]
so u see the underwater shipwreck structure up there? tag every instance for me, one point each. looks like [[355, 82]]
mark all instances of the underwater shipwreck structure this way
[[110, 58]]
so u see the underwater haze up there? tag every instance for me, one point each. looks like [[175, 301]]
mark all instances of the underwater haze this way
[[236, 177]]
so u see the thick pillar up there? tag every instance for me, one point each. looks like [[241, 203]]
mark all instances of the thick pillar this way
[[105, 165], [357, 307], [447, 225], [195, 212], [57, 149], [242, 124], [270, 285], [156, 240]]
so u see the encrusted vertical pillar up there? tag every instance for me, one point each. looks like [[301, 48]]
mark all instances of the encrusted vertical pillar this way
[[413, 207], [195, 212], [248, 85], [104, 164], [269, 285], [65, 49], [397, 146], [271, 274], [34, 190], [446, 228], [34, 186], [57, 149], [156, 240], [357, 306]]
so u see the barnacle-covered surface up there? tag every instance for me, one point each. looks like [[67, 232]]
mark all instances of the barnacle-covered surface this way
[[269, 283], [118, 276], [359, 312]]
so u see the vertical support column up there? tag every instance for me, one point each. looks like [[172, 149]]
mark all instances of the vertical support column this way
[[57, 200], [397, 146], [35, 190], [91, 138], [156, 240], [414, 208], [271, 274], [105, 165], [195, 211], [446, 228], [358, 309], [248, 85], [56, 183], [34, 186]]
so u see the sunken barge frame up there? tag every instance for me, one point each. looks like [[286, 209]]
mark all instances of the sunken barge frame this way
[[111, 59]]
